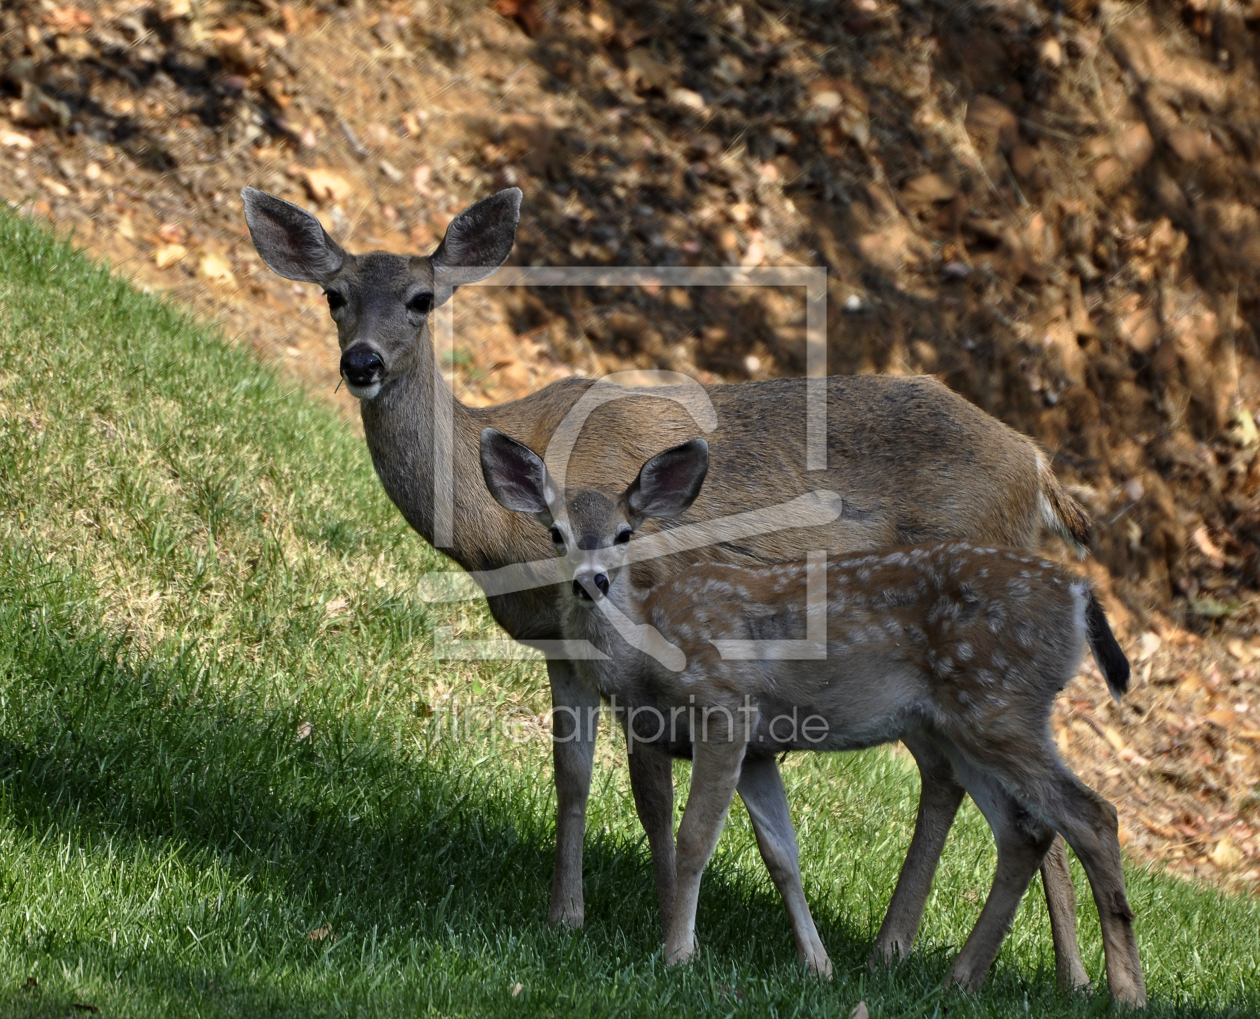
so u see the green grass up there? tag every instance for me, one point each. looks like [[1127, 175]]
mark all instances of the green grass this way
[[225, 791]]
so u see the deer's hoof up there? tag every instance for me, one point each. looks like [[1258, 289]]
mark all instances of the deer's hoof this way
[[568, 917], [679, 955], [819, 966], [887, 952]]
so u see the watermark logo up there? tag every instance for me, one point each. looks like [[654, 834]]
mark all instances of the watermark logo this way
[[459, 719], [812, 509]]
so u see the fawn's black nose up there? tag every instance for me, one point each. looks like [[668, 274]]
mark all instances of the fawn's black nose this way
[[361, 366], [600, 580]]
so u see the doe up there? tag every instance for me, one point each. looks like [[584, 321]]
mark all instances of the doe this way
[[954, 649]]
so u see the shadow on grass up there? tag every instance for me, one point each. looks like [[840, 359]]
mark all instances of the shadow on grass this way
[[443, 849], [361, 824]]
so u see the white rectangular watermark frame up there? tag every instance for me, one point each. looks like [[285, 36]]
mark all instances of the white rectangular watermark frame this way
[[813, 509]]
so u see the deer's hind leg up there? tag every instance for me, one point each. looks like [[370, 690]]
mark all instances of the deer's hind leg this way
[[1091, 826], [1056, 883], [761, 789]]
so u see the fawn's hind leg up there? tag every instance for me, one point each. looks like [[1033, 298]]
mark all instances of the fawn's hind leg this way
[[761, 789], [1056, 882], [1091, 827], [715, 767], [1022, 841], [1031, 770]]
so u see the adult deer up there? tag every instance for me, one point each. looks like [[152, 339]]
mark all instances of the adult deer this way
[[950, 648], [911, 460]]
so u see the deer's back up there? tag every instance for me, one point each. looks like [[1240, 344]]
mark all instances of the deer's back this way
[[913, 462]]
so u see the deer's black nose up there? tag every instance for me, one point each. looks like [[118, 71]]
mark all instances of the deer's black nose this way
[[600, 580], [361, 366]]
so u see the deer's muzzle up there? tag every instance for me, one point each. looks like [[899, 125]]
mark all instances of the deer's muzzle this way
[[362, 369], [585, 586]]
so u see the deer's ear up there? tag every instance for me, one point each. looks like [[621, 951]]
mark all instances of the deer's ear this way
[[478, 240], [669, 482], [516, 476], [290, 240]]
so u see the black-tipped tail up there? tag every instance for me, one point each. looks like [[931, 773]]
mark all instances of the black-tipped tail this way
[[1106, 649]]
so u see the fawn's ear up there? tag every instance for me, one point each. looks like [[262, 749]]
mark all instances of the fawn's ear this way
[[516, 476], [669, 482], [290, 240], [478, 240]]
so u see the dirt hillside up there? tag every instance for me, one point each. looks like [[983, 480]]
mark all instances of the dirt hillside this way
[[1054, 207]]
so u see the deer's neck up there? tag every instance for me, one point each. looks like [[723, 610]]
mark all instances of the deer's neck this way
[[401, 426]]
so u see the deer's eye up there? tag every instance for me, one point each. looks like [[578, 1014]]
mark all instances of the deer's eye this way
[[420, 304], [556, 537], [623, 536], [335, 300]]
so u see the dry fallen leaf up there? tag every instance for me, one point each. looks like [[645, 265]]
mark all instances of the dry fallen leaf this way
[[1226, 854], [168, 255], [420, 179], [56, 187], [319, 934], [324, 185], [1222, 717], [304, 731], [643, 69], [68, 19], [15, 140], [1203, 542], [216, 269]]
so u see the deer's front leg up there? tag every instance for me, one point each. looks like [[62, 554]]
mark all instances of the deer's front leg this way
[[714, 774], [574, 722], [652, 781]]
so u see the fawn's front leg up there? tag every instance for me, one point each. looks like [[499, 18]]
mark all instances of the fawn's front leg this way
[[761, 789], [574, 722], [939, 798], [715, 767], [652, 782]]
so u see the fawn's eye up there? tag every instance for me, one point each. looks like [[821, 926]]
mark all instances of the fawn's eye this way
[[623, 536], [335, 300], [556, 537], [420, 304]]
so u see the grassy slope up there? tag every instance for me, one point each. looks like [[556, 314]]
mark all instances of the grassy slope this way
[[194, 562]]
